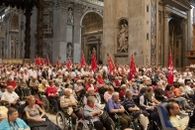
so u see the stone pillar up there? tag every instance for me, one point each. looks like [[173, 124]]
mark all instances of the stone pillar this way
[[184, 47], [139, 32], [77, 33], [39, 44], [166, 38], [109, 27], [27, 32]]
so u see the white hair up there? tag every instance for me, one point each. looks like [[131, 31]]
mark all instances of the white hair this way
[[115, 94], [91, 99]]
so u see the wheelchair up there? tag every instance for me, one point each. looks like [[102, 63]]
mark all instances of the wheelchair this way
[[164, 119], [64, 121], [135, 124]]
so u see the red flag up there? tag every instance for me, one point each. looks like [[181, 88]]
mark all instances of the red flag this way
[[38, 61], [111, 65], [69, 63], [47, 61], [93, 62], [42, 61], [83, 62], [170, 76], [132, 72]]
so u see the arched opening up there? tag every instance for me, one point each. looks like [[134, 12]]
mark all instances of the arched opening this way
[[91, 35]]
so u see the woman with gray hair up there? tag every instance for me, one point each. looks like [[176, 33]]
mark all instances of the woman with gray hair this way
[[92, 112]]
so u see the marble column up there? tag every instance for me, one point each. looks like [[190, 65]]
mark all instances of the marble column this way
[[166, 38]]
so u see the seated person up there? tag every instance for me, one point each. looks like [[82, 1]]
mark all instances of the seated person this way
[[13, 122], [36, 117], [130, 106], [178, 121], [52, 95], [2, 90], [3, 113], [150, 95], [42, 86], [115, 107], [144, 102], [93, 113], [108, 93], [91, 92], [34, 85], [67, 103], [10, 96]]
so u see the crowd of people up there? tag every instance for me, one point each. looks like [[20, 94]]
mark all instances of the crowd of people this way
[[97, 93]]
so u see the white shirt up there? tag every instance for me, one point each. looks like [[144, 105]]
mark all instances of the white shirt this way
[[10, 97]]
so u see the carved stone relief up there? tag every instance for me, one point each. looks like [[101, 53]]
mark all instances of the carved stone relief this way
[[122, 37], [70, 18]]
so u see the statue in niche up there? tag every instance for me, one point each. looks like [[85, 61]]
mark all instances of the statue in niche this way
[[70, 16], [123, 37], [69, 52]]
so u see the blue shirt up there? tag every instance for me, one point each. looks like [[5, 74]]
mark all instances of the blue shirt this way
[[19, 123], [113, 105]]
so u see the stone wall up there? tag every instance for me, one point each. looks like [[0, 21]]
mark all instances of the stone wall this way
[[148, 30], [135, 13]]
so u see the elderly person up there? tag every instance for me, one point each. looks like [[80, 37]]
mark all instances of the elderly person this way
[[108, 93], [10, 96], [180, 123], [91, 92], [93, 113], [36, 116], [34, 83], [67, 104], [79, 88], [115, 107], [52, 95], [136, 112], [13, 122]]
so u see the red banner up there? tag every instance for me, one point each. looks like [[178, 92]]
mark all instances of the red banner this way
[[93, 62], [83, 61], [132, 72], [170, 77], [111, 65]]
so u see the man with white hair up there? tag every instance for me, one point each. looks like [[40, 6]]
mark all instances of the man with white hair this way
[[10, 96], [67, 103], [114, 107]]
